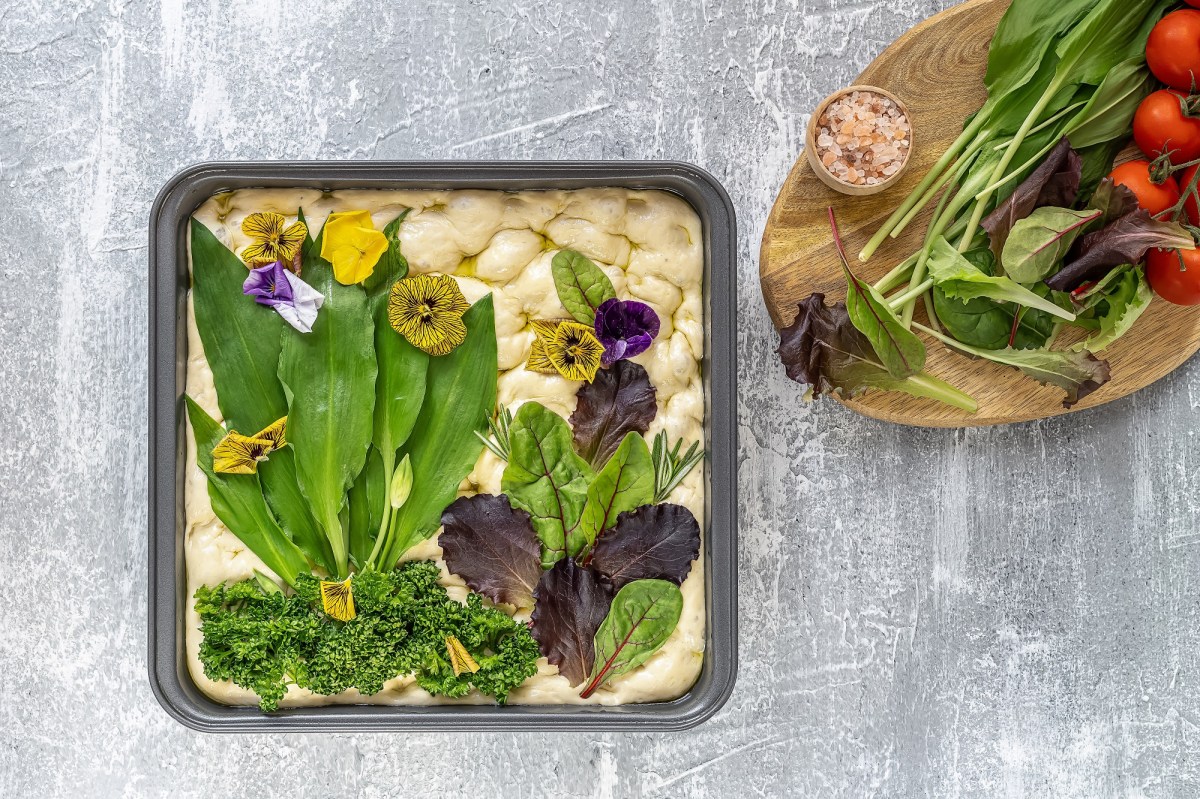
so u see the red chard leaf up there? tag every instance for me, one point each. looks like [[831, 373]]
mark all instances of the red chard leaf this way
[[493, 547], [1055, 182], [571, 604], [653, 542], [1125, 241], [620, 400]]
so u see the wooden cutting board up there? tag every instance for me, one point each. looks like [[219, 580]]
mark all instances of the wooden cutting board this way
[[937, 68]]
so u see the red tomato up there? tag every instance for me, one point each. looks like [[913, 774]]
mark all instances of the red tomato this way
[[1193, 3], [1154, 197], [1172, 280], [1160, 126], [1173, 50], [1185, 180]]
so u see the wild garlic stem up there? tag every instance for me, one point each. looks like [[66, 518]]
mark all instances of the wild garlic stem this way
[[930, 178], [897, 276], [953, 177], [1049, 121], [389, 470], [904, 300]]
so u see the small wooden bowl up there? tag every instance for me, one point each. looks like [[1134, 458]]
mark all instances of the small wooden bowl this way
[[825, 176]]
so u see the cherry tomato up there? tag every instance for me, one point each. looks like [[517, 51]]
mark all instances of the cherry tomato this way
[[1160, 126], [1154, 197], [1173, 50], [1172, 280], [1193, 3], [1185, 180]]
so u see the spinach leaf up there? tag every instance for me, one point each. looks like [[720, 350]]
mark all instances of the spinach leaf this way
[[900, 351], [1126, 301], [642, 617], [988, 324], [545, 477], [962, 280], [620, 400], [582, 286], [329, 379], [1039, 242], [652, 542], [493, 547], [823, 350], [570, 604], [238, 501], [625, 482], [460, 393]]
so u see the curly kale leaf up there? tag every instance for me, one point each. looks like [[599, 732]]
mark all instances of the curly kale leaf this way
[[266, 642]]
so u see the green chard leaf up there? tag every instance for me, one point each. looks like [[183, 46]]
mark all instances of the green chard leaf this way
[[242, 342], [238, 501], [460, 393], [547, 479], [1125, 302], [643, 615], [962, 280], [624, 483], [902, 353], [1038, 243], [329, 378], [582, 286]]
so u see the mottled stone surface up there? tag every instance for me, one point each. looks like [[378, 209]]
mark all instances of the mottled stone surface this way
[[1007, 612]]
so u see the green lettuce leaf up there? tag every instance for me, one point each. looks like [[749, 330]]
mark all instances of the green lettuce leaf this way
[[962, 280], [1124, 303]]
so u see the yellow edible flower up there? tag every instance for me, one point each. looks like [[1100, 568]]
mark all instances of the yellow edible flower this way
[[239, 454], [351, 243], [337, 600], [460, 658], [566, 348], [272, 241], [427, 310]]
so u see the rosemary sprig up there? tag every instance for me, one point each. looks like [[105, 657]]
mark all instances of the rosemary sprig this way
[[669, 467], [498, 426]]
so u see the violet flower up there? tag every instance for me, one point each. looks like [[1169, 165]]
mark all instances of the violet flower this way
[[626, 328], [277, 287]]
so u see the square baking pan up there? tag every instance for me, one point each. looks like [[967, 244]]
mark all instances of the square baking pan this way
[[169, 281]]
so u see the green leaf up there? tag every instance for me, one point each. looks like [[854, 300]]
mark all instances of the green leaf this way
[[241, 338], [365, 503], [1113, 32], [329, 379], [1037, 244], [238, 501], [460, 393], [547, 479], [962, 280], [1108, 115], [901, 352], [582, 286], [643, 615], [392, 265], [1125, 302], [988, 324], [242, 342], [624, 483], [399, 389]]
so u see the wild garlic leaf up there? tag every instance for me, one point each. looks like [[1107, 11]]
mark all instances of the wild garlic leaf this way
[[962, 280], [625, 482], [651, 542], [900, 351], [545, 477], [1038, 243], [570, 604], [237, 500], [1125, 302], [823, 350], [493, 547], [643, 615], [1108, 115], [582, 286], [460, 391]]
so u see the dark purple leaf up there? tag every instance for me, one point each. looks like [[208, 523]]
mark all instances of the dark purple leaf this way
[[653, 542], [626, 328], [493, 547], [571, 603], [1114, 200], [1055, 182], [1125, 241], [620, 400]]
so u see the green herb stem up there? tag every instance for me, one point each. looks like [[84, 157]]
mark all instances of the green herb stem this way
[[952, 179], [898, 275], [910, 295]]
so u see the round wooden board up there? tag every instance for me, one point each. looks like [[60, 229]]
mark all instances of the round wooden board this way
[[937, 68]]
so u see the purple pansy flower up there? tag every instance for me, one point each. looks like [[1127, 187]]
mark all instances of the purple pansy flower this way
[[293, 299], [626, 328], [268, 285]]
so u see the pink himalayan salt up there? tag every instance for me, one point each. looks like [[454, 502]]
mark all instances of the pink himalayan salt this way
[[862, 138]]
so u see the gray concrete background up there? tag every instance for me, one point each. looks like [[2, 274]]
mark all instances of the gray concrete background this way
[[1006, 612]]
